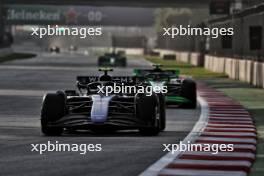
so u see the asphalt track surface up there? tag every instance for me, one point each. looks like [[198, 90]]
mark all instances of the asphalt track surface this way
[[22, 86]]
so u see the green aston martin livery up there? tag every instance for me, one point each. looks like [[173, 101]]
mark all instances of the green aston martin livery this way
[[112, 60], [180, 91]]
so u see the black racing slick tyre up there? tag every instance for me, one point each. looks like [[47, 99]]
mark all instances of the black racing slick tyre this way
[[100, 61], [53, 108], [162, 112], [147, 111], [124, 62], [188, 91]]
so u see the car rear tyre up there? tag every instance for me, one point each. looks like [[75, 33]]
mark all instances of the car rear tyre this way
[[100, 61], [147, 110], [188, 91], [162, 111], [53, 108], [123, 62]]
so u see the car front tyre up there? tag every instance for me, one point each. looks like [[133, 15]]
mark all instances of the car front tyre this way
[[188, 91], [147, 110], [53, 108], [162, 112]]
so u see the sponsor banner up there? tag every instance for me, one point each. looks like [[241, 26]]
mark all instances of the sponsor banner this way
[[79, 15]]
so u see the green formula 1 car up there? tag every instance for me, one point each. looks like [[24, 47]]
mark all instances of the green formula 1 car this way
[[180, 91], [112, 60]]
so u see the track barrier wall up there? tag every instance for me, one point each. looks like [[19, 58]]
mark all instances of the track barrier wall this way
[[244, 70], [248, 71]]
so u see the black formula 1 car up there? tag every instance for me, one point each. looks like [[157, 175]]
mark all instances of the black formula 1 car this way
[[180, 91], [87, 108], [54, 49], [112, 59]]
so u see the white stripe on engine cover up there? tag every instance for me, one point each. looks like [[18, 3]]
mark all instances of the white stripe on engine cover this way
[[99, 110]]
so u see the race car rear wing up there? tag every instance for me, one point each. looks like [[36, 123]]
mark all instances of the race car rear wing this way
[[131, 80], [143, 72]]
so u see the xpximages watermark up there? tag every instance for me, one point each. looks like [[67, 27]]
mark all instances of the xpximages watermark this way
[[82, 32], [213, 148], [63, 147], [197, 31], [124, 89]]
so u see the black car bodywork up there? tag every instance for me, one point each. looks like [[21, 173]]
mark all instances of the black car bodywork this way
[[54, 49]]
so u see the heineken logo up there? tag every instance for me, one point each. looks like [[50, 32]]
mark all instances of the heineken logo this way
[[40, 15], [65, 15], [77, 15]]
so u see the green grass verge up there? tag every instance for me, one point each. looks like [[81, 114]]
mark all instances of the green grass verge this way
[[16, 56], [185, 69], [250, 97]]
